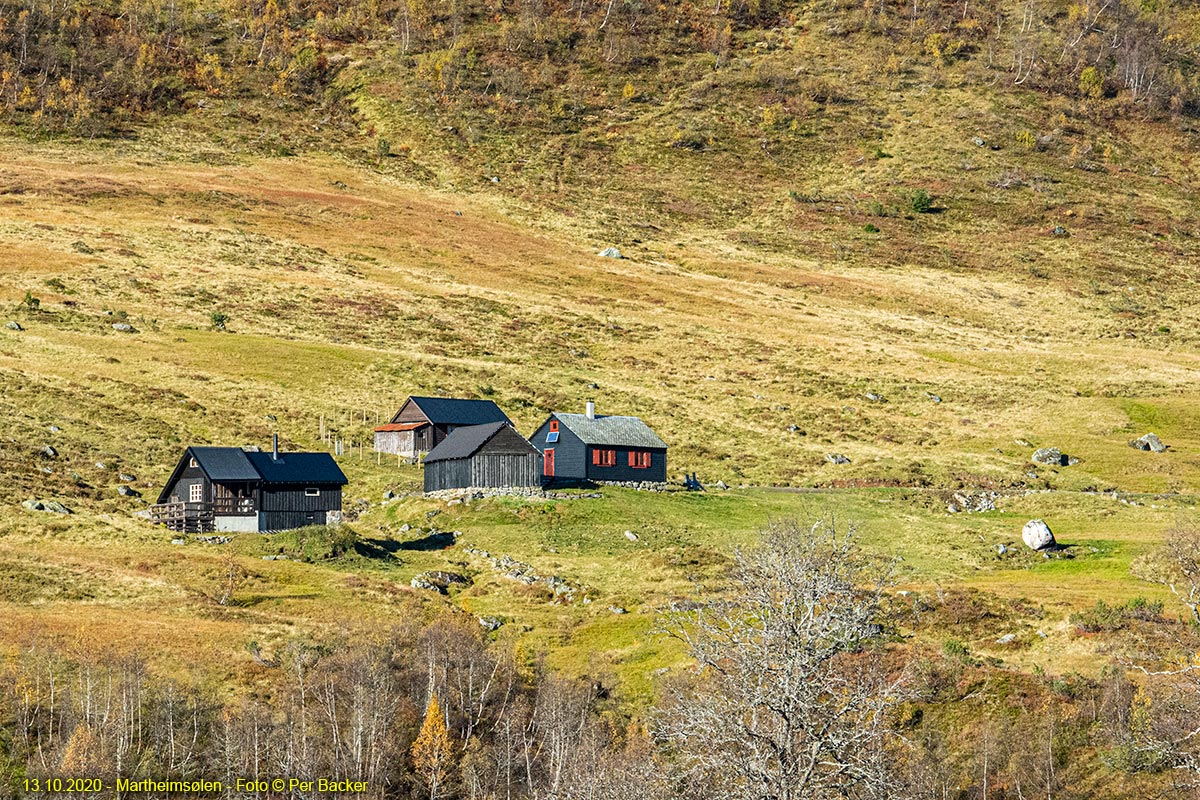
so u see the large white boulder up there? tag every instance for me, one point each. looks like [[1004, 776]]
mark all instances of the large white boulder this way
[[1037, 535]]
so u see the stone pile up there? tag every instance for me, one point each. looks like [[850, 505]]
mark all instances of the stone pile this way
[[519, 571], [973, 502]]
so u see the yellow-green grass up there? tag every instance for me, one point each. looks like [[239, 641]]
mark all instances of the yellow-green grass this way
[[118, 585], [740, 312]]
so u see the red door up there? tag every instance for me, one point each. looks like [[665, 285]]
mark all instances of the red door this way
[[549, 463]]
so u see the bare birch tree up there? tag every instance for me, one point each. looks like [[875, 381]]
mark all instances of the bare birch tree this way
[[790, 700]]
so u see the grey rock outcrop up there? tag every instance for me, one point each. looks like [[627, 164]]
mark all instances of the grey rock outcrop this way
[[1053, 456], [48, 506], [1149, 442], [14, 326], [610, 252], [837, 458]]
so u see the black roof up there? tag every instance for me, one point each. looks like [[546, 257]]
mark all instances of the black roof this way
[[306, 468], [464, 442], [454, 411], [224, 463], [235, 464]]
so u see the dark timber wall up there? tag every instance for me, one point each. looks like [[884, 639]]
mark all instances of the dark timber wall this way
[[283, 507], [621, 471], [504, 460]]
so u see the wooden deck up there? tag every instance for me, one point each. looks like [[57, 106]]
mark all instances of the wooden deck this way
[[184, 517]]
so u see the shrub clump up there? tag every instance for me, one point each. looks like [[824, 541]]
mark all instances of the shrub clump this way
[[1103, 618]]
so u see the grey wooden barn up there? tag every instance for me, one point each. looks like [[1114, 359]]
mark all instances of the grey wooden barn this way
[[481, 457], [422, 423], [578, 448]]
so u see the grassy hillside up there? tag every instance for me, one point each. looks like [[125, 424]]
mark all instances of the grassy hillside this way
[[841, 233]]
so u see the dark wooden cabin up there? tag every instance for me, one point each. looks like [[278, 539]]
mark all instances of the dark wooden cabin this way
[[579, 448], [230, 489], [482, 457], [422, 423]]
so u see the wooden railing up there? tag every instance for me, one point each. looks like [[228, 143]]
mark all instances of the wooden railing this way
[[184, 517], [233, 505]]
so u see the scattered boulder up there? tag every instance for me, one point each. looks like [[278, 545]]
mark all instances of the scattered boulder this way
[[617, 610], [179, 541], [1037, 535], [610, 252], [933, 397], [1001, 549], [1007, 638], [405, 528], [123, 327], [491, 623], [14, 326], [875, 398], [978, 141], [836, 458], [631, 536], [55, 429], [48, 506], [722, 485], [388, 494], [438, 580], [1059, 231], [49, 452], [101, 465], [1149, 442], [1023, 442], [126, 477], [447, 578], [1052, 456], [126, 491]]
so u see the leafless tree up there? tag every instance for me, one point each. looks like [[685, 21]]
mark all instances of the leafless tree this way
[[791, 697], [1176, 565]]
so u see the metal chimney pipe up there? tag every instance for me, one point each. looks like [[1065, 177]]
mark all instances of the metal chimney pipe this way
[[275, 447], [591, 410]]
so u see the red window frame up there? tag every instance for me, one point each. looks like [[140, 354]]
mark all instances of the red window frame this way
[[604, 458], [554, 426], [639, 459]]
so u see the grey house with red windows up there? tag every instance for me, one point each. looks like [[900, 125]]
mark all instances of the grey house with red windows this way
[[588, 447]]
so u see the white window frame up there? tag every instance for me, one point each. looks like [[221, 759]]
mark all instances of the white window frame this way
[[311, 492], [192, 463], [196, 493]]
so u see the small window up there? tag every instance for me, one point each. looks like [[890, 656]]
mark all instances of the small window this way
[[196, 493], [554, 426], [604, 458], [551, 437], [192, 463], [639, 459], [312, 492]]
